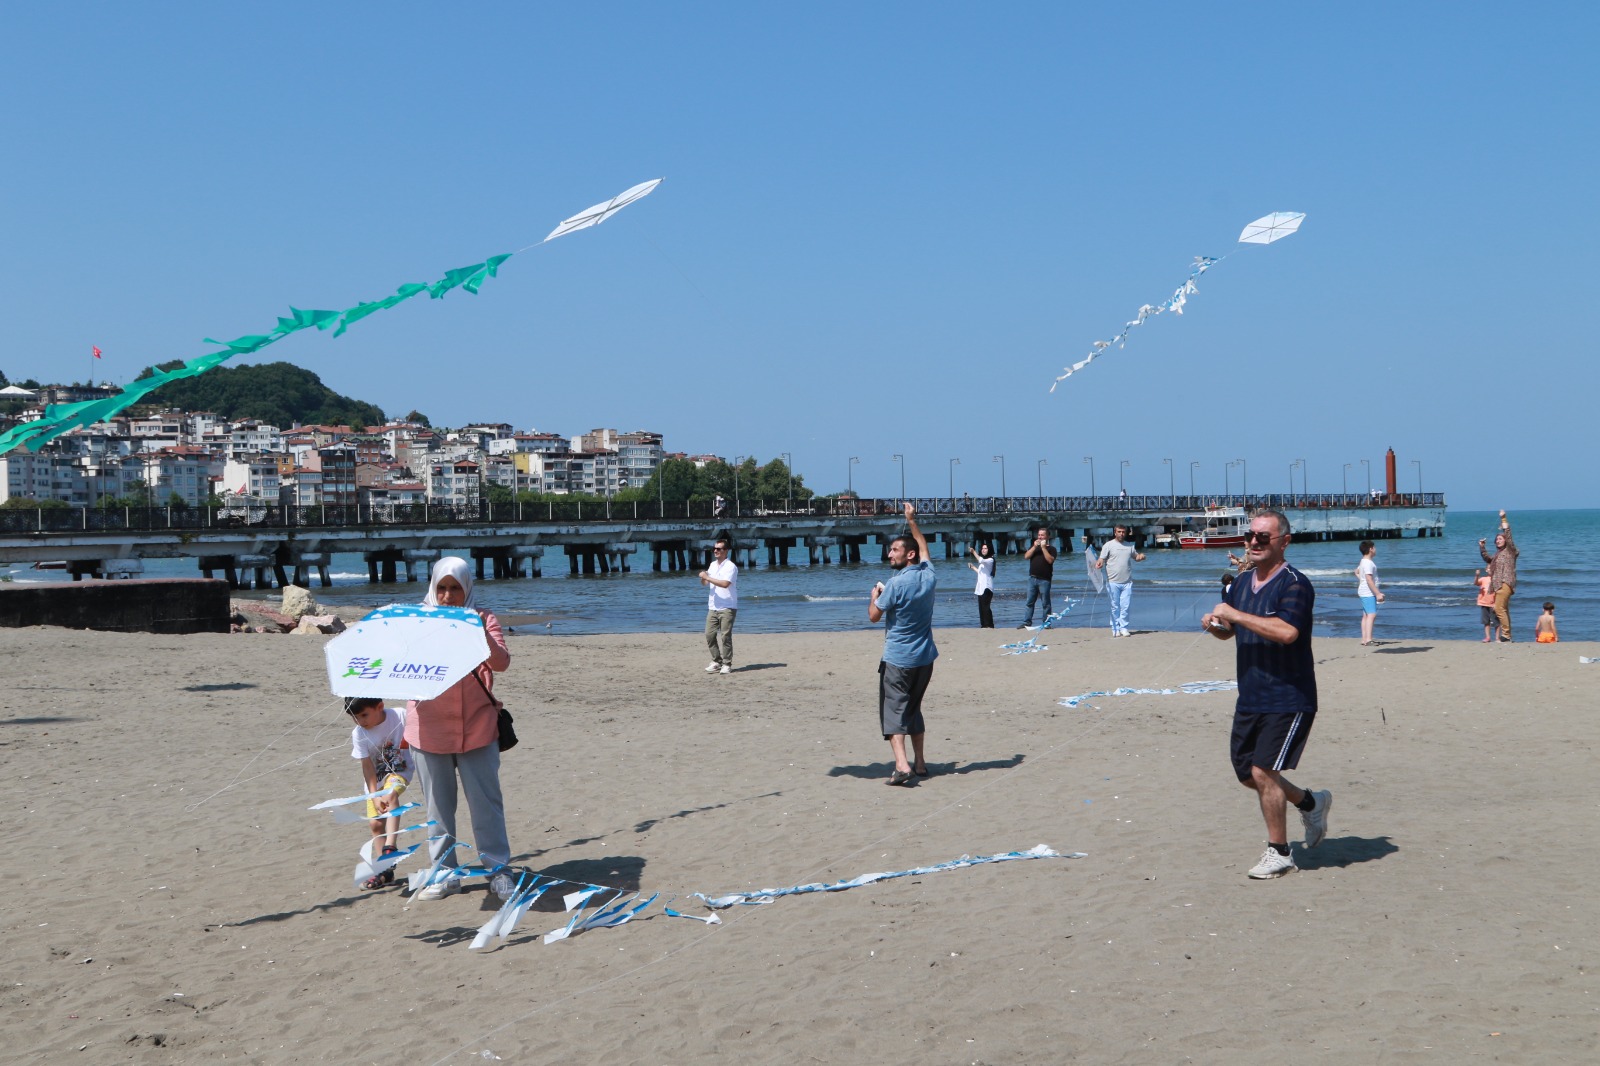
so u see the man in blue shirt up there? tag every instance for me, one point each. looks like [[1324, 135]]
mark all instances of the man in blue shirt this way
[[1269, 609], [908, 650]]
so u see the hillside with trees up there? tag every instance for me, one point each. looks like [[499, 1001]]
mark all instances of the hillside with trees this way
[[280, 394]]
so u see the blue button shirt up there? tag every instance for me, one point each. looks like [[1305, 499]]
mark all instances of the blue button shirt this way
[[907, 606]]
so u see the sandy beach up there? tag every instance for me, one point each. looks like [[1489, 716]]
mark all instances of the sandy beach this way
[[173, 901]]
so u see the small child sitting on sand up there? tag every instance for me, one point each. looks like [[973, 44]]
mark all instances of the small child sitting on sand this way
[[1544, 630], [378, 740]]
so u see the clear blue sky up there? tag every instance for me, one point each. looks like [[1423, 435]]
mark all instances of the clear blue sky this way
[[884, 229]]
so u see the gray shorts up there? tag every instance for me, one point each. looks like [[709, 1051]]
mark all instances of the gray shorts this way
[[900, 690]]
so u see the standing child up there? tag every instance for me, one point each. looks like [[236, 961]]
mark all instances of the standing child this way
[[1544, 630], [378, 740], [1486, 606]]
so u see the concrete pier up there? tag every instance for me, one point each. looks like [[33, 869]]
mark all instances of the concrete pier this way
[[603, 542]]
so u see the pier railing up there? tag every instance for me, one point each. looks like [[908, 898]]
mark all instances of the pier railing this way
[[336, 516]]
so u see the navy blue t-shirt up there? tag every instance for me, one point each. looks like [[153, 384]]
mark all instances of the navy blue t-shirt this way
[[1275, 678]]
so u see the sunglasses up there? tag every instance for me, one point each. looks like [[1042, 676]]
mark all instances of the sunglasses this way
[[1262, 538]]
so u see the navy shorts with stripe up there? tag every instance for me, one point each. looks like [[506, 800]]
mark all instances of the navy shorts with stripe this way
[[1270, 741]]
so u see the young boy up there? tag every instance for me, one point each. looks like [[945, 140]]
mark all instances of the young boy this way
[[1544, 630], [378, 740], [1486, 606]]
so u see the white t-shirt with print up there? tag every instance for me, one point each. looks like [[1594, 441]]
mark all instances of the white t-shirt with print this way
[[382, 745]]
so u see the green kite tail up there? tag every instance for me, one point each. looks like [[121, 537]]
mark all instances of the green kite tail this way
[[63, 418]]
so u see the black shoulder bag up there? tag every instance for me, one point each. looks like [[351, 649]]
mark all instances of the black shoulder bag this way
[[508, 731]]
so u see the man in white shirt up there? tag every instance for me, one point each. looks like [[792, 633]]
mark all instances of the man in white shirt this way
[[1117, 559], [722, 578]]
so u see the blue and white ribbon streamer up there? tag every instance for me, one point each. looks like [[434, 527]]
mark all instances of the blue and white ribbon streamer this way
[[1173, 303], [1023, 647], [1191, 688], [767, 895]]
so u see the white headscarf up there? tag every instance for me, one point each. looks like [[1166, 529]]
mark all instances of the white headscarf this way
[[451, 566]]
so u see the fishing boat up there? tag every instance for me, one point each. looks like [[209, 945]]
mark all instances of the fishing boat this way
[[1219, 527]]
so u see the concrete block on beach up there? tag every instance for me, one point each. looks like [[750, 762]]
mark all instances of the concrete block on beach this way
[[192, 605]]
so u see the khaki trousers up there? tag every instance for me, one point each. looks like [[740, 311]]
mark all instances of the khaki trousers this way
[[1502, 610]]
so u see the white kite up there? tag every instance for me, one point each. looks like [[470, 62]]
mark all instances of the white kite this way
[[593, 216], [1263, 230]]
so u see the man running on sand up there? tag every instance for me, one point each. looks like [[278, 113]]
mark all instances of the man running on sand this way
[[1268, 609]]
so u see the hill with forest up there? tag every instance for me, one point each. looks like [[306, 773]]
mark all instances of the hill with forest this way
[[280, 394]]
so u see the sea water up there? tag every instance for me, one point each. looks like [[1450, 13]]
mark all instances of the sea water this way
[[1427, 584]]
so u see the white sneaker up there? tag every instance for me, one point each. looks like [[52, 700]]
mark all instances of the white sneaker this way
[[440, 890], [502, 884], [713, 668], [1316, 819], [1272, 865], [727, 670]]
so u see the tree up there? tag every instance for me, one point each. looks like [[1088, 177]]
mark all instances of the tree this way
[[675, 480], [419, 418], [773, 482], [24, 503], [280, 394], [497, 494]]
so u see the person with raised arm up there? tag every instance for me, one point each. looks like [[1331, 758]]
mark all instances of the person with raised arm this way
[[905, 605]]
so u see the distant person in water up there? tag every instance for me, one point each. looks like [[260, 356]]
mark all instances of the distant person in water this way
[[1544, 630], [1502, 574], [1486, 606]]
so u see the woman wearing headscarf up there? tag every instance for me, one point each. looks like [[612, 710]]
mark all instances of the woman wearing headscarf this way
[[456, 736]]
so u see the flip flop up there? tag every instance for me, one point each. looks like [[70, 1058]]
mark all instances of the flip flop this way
[[899, 777]]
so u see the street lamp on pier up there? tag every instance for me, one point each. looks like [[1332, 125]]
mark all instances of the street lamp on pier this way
[[902, 461], [1122, 485], [1418, 464], [849, 474], [737, 459], [1291, 476], [1039, 469], [788, 481], [1244, 479], [1304, 490], [1090, 460], [1227, 477], [1368, 464], [1345, 483], [1192, 464], [1172, 486], [953, 464], [1002, 461]]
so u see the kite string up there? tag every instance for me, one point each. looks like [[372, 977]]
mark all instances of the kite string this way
[[235, 782]]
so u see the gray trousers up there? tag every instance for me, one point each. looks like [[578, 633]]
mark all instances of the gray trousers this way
[[479, 771], [720, 624]]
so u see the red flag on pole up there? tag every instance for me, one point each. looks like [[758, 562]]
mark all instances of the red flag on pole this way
[[95, 350]]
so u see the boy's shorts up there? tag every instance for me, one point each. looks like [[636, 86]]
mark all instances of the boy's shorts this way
[[395, 784], [1487, 615]]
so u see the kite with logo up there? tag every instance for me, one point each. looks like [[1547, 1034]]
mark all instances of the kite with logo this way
[[63, 418], [1263, 230]]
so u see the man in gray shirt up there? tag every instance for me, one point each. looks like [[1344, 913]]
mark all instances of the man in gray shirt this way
[[1117, 559]]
